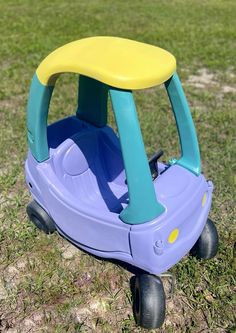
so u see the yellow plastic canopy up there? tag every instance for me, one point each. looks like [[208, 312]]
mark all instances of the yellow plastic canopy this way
[[118, 62]]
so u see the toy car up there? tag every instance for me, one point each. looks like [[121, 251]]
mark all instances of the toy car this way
[[97, 188]]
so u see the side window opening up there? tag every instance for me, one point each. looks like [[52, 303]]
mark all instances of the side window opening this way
[[157, 122], [64, 99]]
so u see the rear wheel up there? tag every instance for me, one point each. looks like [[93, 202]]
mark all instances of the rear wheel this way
[[40, 217], [207, 244], [149, 301]]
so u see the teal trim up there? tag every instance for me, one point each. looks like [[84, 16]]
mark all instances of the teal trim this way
[[143, 205], [190, 158], [92, 102], [37, 114]]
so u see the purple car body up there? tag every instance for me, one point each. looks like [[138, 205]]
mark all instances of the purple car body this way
[[82, 186]]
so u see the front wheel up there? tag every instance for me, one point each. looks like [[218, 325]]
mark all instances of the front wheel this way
[[149, 301], [207, 244]]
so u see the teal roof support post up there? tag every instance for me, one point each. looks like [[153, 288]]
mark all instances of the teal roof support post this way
[[92, 101], [190, 158], [37, 114], [143, 205]]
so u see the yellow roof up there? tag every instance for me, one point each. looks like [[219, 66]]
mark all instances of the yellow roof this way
[[118, 62]]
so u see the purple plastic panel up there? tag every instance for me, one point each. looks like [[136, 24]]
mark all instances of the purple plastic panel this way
[[185, 212], [82, 186]]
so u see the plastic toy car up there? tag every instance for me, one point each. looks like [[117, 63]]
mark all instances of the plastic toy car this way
[[98, 189]]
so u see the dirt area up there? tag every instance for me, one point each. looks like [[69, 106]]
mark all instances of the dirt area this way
[[204, 79]]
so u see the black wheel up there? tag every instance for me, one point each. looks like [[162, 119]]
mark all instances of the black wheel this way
[[40, 217], [207, 244], [149, 301]]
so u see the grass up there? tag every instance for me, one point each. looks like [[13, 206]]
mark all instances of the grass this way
[[47, 286]]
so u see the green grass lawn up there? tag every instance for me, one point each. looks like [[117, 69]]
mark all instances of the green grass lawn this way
[[46, 285]]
